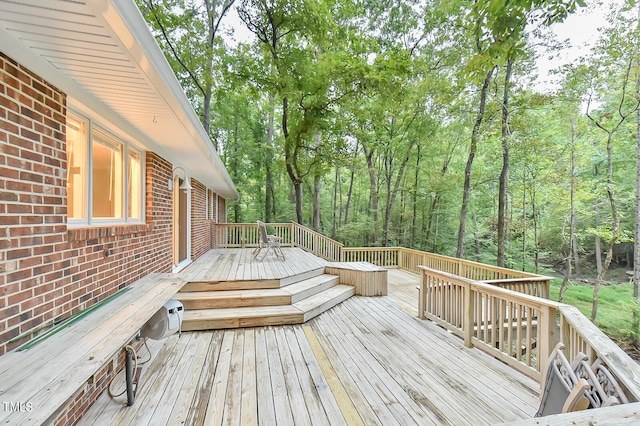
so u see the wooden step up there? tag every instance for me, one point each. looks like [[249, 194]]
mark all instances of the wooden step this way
[[212, 319], [292, 279], [230, 285], [311, 286], [233, 298], [318, 303], [305, 309]]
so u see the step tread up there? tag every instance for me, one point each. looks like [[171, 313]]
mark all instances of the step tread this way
[[205, 286], [311, 286], [243, 312], [231, 294], [316, 300]]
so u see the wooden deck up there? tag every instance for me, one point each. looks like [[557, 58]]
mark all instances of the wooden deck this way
[[367, 361], [238, 264]]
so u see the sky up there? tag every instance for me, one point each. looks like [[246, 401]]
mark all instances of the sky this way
[[581, 30]]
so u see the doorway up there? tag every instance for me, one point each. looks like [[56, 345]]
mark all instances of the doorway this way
[[181, 225]]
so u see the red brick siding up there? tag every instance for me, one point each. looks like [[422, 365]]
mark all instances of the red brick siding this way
[[34, 260], [200, 226]]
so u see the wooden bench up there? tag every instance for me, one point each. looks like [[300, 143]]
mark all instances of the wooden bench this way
[[368, 279], [38, 383]]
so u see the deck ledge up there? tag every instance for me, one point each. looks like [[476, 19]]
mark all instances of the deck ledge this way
[[38, 383]]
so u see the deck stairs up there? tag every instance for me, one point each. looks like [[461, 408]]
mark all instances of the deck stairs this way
[[293, 299]]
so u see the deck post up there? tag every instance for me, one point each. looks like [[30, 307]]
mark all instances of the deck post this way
[[547, 335], [422, 297], [468, 316]]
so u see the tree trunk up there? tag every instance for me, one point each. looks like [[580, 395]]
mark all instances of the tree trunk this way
[[296, 181], [636, 245], [269, 198], [349, 195], [466, 188], [524, 219], [572, 225], [236, 206], [336, 185], [615, 232], [414, 215], [391, 198], [598, 240], [316, 202], [504, 174], [373, 194]]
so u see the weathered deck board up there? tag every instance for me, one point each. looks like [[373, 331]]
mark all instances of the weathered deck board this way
[[393, 368], [238, 264]]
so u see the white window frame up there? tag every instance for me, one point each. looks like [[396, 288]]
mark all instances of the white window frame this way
[[127, 146]]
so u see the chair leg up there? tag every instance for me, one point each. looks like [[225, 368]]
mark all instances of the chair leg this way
[[256, 251]]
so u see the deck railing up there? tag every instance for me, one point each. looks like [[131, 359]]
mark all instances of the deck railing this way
[[230, 235], [411, 260], [517, 328]]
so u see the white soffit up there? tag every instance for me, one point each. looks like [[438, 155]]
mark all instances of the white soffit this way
[[101, 53]]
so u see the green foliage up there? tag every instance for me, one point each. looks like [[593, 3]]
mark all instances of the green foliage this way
[[381, 99], [616, 306]]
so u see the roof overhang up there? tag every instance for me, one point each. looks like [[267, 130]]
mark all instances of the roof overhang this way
[[103, 56]]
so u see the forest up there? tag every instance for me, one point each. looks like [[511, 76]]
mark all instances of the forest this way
[[421, 123]]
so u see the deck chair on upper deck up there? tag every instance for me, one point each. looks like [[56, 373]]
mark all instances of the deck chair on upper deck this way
[[561, 390], [267, 242]]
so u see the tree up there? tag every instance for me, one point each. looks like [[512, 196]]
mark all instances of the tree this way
[[189, 34]]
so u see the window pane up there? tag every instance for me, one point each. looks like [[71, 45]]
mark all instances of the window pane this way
[[107, 178], [76, 165], [134, 191]]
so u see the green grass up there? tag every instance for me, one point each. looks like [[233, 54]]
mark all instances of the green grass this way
[[615, 306]]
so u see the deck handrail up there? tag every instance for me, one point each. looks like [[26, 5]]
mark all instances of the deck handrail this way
[[518, 328], [410, 260], [229, 235], [316, 243]]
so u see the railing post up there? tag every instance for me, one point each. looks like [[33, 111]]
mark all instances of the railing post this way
[[399, 258], [469, 303], [422, 296], [547, 333]]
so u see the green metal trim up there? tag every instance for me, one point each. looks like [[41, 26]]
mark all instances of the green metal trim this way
[[68, 321]]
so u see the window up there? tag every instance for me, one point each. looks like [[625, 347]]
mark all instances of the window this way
[[107, 178], [114, 178], [76, 166], [134, 187]]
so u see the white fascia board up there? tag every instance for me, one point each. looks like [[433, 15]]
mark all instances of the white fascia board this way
[[127, 22]]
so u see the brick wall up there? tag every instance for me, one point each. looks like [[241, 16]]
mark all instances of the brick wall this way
[[48, 272], [34, 262], [200, 225]]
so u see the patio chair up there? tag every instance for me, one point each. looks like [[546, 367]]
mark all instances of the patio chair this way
[[604, 388], [561, 390], [267, 242]]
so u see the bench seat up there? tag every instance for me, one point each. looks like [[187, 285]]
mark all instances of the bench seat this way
[[368, 279], [43, 379]]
